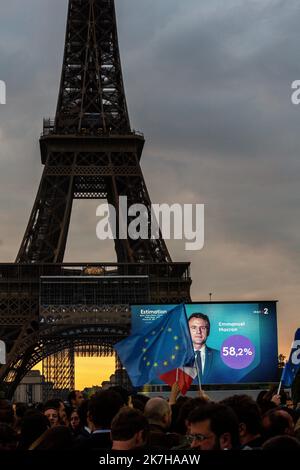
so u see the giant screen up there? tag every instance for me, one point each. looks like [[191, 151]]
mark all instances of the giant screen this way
[[237, 340]]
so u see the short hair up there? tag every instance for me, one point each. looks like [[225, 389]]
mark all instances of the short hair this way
[[33, 425], [122, 391], [201, 316], [285, 443], [156, 408], [128, 422], [104, 406], [279, 421], [72, 396], [222, 419], [6, 412], [52, 404], [139, 401], [21, 409], [8, 437], [56, 438], [247, 412], [82, 412], [185, 410], [261, 396]]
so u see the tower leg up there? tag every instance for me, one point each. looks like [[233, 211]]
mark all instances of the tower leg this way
[[59, 374]]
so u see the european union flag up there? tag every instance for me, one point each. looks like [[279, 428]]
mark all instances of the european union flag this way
[[162, 346], [292, 367]]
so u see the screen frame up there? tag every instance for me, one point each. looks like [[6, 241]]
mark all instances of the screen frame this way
[[221, 386]]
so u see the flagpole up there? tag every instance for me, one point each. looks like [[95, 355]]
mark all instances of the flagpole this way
[[278, 391]]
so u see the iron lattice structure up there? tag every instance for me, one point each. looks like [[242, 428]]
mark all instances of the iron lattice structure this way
[[59, 372], [89, 152], [59, 369]]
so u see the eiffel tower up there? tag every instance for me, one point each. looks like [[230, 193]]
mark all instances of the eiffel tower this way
[[89, 151]]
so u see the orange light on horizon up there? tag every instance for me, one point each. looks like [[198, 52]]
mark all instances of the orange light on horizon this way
[[90, 371]]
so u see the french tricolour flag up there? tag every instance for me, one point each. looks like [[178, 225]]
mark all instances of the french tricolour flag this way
[[184, 376]]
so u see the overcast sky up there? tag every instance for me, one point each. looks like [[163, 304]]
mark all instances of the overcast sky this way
[[209, 83]]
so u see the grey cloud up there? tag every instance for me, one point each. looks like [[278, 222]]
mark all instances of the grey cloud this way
[[209, 84]]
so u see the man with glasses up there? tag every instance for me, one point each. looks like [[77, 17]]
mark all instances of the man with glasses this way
[[213, 427], [207, 359]]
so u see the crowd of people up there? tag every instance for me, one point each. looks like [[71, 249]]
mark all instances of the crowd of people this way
[[114, 420]]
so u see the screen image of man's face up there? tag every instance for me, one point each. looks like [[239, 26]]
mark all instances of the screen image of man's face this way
[[199, 331]]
